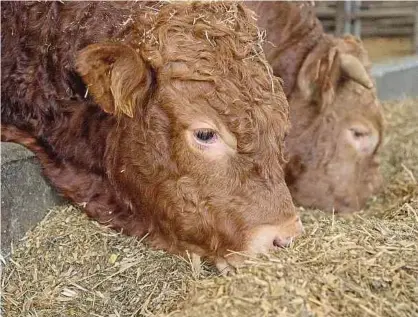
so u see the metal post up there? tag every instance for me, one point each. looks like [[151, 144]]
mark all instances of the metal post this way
[[347, 16], [357, 20], [415, 35], [340, 18]]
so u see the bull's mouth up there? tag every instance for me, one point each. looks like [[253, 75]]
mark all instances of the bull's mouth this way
[[229, 264]]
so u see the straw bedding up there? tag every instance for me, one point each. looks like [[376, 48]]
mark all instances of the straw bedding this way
[[362, 265]]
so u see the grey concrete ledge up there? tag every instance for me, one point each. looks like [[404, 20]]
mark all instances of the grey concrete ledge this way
[[25, 195], [397, 78]]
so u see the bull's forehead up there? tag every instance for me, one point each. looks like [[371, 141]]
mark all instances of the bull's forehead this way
[[212, 57]]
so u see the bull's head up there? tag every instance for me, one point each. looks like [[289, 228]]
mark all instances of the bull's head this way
[[337, 127], [201, 125]]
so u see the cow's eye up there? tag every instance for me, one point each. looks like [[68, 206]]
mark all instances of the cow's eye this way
[[358, 134], [205, 135]]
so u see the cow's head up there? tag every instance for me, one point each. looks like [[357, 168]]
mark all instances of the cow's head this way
[[202, 124], [337, 127]]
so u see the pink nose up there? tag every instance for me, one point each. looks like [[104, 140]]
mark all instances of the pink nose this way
[[282, 242]]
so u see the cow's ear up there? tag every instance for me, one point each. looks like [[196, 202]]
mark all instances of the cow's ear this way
[[319, 75], [322, 71], [116, 76]]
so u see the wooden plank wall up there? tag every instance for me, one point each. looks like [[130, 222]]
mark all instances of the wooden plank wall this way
[[370, 18]]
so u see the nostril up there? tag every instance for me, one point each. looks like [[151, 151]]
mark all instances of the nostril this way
[[276, 243], [282, 242]]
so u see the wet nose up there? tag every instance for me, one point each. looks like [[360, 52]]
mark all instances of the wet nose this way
[[284, 241], [266, 238]]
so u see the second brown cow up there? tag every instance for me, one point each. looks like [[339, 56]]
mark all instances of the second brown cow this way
[[336, 119]]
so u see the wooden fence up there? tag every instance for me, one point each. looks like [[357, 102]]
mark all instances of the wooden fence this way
[[370, 18]]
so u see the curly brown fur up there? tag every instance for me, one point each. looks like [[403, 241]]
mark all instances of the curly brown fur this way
[[110, 94]]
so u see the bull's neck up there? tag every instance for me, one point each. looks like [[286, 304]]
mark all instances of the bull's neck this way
[[293, 31]]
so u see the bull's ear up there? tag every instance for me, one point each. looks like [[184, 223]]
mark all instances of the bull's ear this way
[[355, 62], [116, 76], [322, 70], [355, 70], [319, 75]]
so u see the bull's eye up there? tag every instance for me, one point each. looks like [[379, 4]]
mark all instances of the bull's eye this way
[[205, 135], [210, 141], [357, 133]]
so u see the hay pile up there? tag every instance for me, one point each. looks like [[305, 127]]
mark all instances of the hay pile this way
[[360, 267], [363, 265], [70, 266]]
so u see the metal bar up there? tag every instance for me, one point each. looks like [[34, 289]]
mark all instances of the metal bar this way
[[357, 21], [347, 16], [415, 35]]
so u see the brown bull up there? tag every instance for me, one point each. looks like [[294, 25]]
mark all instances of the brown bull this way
[[160, 119], [336, 119]]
